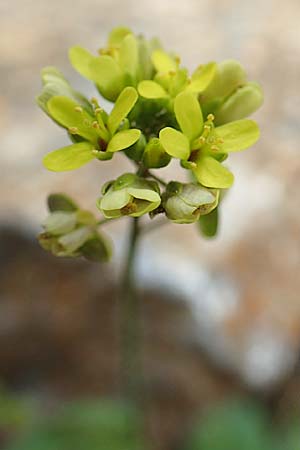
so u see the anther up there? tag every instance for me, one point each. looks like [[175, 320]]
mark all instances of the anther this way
[[210, 117], [95, 151], [214, 148], [95, 124], [73, 130], [98, 111], [78, 109]]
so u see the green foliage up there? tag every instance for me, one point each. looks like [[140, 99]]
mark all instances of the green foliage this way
[[85, 426], [160, 112]]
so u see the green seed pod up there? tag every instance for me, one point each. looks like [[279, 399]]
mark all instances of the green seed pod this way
[[185, 203], [129, 195], [242, 103], [154, 155]]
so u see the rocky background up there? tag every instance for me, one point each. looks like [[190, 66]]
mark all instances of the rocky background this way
[[228, 309]]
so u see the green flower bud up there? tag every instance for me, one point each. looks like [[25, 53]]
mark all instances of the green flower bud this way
[[242, 103], [154, 155], [228, 77], [185, 203], [129, 195]]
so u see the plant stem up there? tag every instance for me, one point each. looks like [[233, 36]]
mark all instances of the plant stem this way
[[129, 322], [158, 179]]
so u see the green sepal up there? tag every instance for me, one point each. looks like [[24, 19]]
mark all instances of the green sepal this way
[[210, 173], [71, 242], [154, 156], [208, 223], [103, 156], [123, 139], [188, 114], [135, 151], [124, 104], [61, 202], [97, 249], [70, 157], [175, 143]]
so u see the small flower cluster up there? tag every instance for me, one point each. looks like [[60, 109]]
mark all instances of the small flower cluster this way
[[160, 113]]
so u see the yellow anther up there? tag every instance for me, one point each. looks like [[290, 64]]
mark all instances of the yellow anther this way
[[95, 124], [95, 152], [220, 141], [73, 130], [206, 127], [202, 140], [98, 111], [214, 148], [78, 109], [177, 60], [210, 117]]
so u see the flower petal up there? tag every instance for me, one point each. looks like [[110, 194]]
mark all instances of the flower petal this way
[[128, 57], [163, 62], [237, 135], [124, 104], [106, 73], [211, 173], [151, 89], [114, 200], [202, 77], [81, 59], [123, 139], [62, 109], [174, 143], [188, 114], [69, 158]]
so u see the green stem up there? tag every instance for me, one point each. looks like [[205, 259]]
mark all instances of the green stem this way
[[129, 322], [156, 178]]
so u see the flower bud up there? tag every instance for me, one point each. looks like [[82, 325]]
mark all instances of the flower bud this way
[[185, 203], [229, 76], [154, 155], [242, 103], [129, 195]]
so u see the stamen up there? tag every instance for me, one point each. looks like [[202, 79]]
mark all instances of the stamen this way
[[73, 130], [78, 109], [214, 148], [210, 117], [95, 124]]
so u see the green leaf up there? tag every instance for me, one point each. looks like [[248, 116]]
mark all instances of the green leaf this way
[[163, 62], [61, 202], [202, 77], [242, 103], [237, 135], [69, 158], [128, 57], [106, 73], [151, 89], [117, 35], [209, 223], [124, 104], [188, 114], [63, 110], [211, 173], [81, 60], [175, 143], [123, 139]]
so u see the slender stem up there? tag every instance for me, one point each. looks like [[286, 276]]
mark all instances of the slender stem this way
[[129, 321], [158, 179]]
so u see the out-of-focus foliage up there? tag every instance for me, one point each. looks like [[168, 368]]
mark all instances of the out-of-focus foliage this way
[[84, 426]]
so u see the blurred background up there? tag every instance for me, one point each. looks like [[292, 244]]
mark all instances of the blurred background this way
[[221, 318]]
